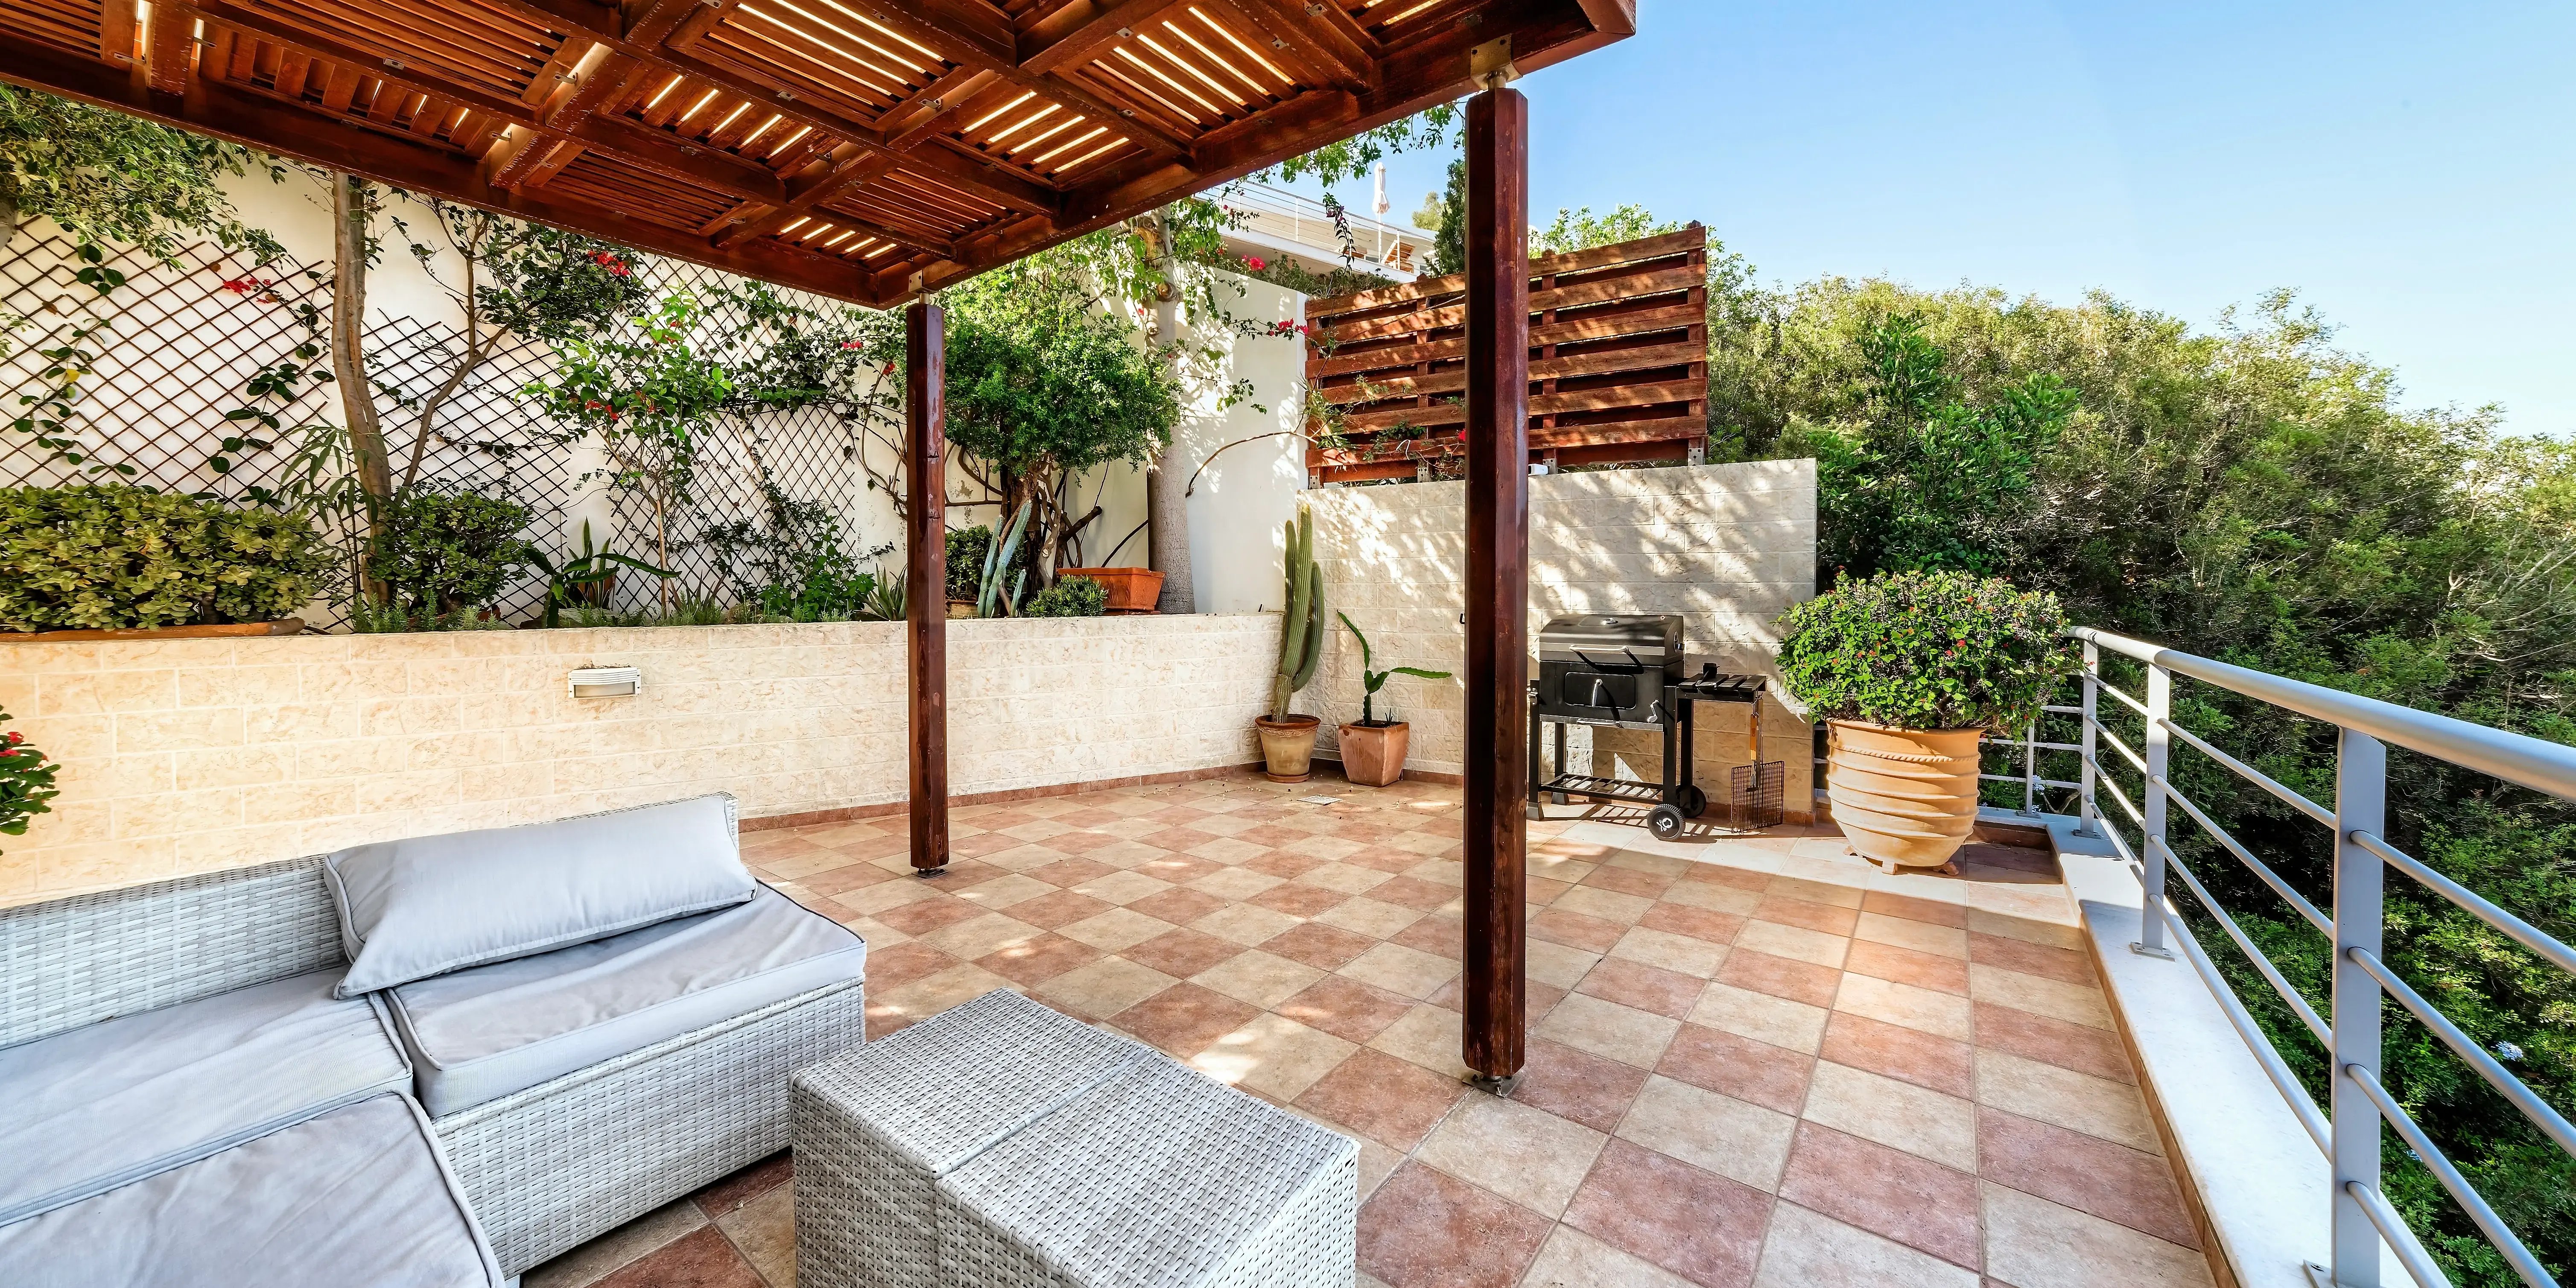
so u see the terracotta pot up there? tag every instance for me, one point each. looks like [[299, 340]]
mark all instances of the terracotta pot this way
[[1288, 747], [1373, 755], [961, 608], [1902, 797], [222, 630], [1131, 590]]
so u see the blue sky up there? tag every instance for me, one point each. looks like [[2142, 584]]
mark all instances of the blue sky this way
[[2409, 168]]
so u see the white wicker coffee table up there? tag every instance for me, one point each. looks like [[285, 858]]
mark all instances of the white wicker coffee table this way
[[1001, 1143]]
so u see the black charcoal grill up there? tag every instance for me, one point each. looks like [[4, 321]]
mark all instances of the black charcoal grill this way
[[1627, 671]]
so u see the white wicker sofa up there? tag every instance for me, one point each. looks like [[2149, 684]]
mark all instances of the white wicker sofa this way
[[568, 1091]]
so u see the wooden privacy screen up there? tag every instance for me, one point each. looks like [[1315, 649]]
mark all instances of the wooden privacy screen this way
[[1618, 364], [863, 149]]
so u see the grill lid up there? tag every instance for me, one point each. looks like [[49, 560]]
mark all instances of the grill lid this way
[[1613, 640]]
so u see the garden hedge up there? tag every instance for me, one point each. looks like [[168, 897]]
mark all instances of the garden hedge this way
[[115, 557]]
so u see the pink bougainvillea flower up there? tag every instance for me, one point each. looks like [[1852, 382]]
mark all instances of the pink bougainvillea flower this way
[[854, 344], [1255, 263]]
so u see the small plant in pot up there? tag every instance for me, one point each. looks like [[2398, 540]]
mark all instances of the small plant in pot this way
[[1287, 740], [1909, 671], [1373, 749]]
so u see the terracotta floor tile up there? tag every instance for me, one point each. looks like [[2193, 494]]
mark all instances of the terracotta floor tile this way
[[2074, 1003], [1067, 873], [1035, 961], [1906, 966], [2080, 1102], [1245, 924], [1589, 1089], [1273, 1056], [1796, 942], [1731, 1065], [1298, 900], [1412, 893], [1682, 954], [1573, 1258], [983, 844], [703, 1258], [1423, 1229], [927, 915], [1261, 979], [1647, 988], [1743, 1142], [1575, 930], [1924, 1059], [1392, 1101], [1901, 1115], [1081, 843], [1628, 881], [1115, 930], [2033, 1243], [1946, 1014], [1385, 858], [750, 1183], [1807, 1249], [1345, 1008], [1887, 1192], [1928, 911], [2088, 1174], [1437, 935], [1761, 1017], [1102, 989], [1179, 907], [1539, 997], [1398, 969], [850, 876], [1185, 1019], [1179, 869], [1062, 908], [1697, 1224], [1319, 945], [1810, 916], [1283, 864], [1698, 923], [1606, 1028], [1177, 839], [1527, 1155], [1181, 953], [1608, 905], [1781, 977], [890, 968], [1370, 917], [1272, 834], [2030, 959], [2039, 1037]]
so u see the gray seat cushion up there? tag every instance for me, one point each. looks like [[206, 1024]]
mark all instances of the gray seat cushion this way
[[428, 905], [480, 1034], [356, 1198], [91, 1109]]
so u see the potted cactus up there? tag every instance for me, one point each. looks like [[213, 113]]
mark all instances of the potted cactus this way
[[1373, 749], [1288, 741]]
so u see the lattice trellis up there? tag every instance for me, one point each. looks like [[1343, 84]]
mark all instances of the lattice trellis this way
[[176, 345]]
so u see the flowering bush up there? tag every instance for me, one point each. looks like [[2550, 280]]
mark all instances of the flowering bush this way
[[1926, 650], [26, 782]]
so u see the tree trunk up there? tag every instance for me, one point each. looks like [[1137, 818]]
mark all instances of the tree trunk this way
[[1167, 509], [348, 353]]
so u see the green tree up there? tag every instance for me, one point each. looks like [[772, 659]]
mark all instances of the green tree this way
[[106, 177], [1449, 239], [1580, 229]]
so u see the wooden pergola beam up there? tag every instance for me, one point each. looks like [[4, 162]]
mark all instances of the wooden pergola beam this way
[[1495, 1031]]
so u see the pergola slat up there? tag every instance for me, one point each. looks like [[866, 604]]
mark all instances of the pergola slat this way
[[799, 105]]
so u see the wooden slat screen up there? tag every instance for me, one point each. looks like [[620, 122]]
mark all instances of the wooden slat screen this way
[[1618, 364]]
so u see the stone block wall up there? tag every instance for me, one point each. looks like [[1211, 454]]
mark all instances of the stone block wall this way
[[193, 755], [1729, 547]]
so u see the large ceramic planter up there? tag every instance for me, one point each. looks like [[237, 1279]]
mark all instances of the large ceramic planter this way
[[221, 630], [1288, 747], [1373, 755], [1131, 590], [1902, 797]]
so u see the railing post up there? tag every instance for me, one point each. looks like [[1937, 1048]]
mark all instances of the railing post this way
[[2089, 820], [2030, 770], [2361, 805], [2151, 850]]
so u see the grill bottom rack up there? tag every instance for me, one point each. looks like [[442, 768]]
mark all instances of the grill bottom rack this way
[[1755, 789]]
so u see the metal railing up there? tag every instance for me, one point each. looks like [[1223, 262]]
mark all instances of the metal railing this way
[[2347, 1130]]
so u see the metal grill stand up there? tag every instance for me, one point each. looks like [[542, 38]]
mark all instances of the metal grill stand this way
[[1754, 802]]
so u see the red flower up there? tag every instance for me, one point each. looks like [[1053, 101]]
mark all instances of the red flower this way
[[615, 266], [1254, 263], [854, 344], [15, 738], [244, 285]]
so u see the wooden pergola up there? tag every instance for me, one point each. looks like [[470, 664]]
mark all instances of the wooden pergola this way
[[876, 150]]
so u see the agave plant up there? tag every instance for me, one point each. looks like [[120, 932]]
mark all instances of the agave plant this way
[[993, 597], [1376, 680], [885, 600], [567, 582]]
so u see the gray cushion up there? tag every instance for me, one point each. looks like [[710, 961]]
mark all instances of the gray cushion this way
[[422, 907], [480, 1034], [356, 1198], [88, 1110]]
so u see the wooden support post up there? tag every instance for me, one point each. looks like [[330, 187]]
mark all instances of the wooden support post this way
[[926, 578], [1497, 944]]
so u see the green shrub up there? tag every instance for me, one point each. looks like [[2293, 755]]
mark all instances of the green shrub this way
[[967, 548], [446, 552], [1938, 650], [1070, 597], [119, 558]]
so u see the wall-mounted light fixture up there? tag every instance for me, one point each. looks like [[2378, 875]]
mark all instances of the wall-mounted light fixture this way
[[606, 681]]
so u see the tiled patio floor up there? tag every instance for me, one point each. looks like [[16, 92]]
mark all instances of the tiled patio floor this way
[[1754, 1061]]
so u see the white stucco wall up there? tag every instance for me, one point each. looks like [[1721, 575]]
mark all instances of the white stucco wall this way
[[1729, 547]]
